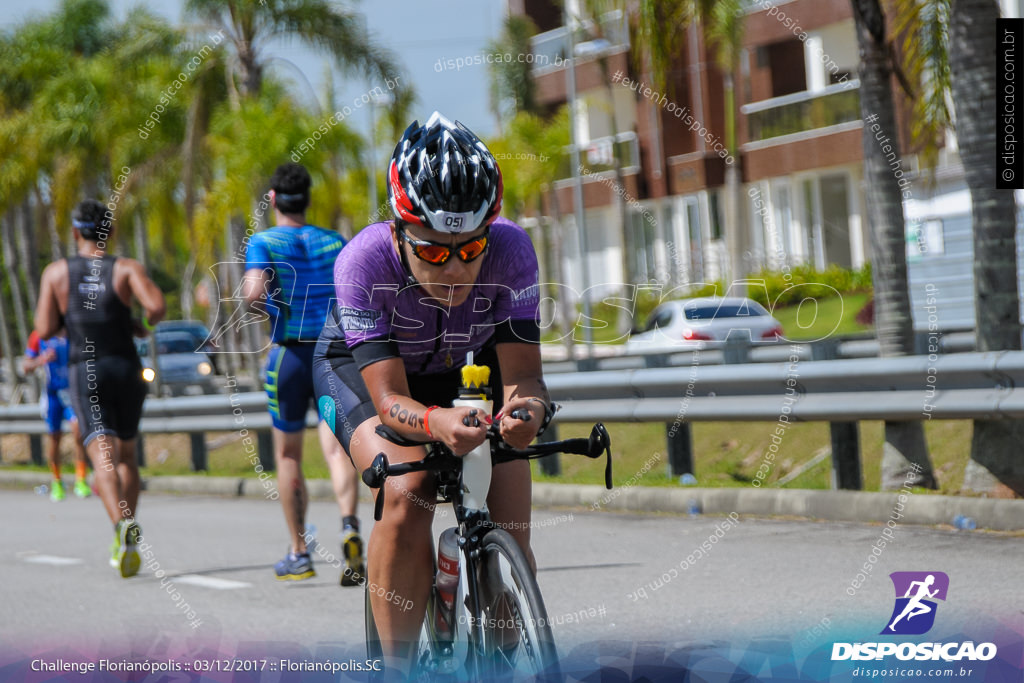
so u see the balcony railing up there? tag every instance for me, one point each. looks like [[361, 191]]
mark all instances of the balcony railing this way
[[803, 111], [551, 48], [596, 156]]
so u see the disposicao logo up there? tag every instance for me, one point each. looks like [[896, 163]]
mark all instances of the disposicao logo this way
[[912, 615], [916, 592]]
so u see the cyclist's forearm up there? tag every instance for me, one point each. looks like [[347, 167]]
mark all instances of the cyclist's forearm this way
[[404, 415], [527, 388]]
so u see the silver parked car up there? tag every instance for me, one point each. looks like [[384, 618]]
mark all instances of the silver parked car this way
[[181, 369], [706, 322]]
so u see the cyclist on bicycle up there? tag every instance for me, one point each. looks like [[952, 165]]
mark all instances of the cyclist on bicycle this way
[[415, 294]]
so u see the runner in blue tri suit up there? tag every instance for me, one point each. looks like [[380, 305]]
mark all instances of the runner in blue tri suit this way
[[415, 294], [55, 404], [288, 271]]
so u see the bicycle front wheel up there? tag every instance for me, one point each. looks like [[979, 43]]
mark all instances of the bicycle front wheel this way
[[517, 638]]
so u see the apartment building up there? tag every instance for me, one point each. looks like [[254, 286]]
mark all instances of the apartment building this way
[[799, 129]]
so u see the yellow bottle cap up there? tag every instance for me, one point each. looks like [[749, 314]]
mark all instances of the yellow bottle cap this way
[[475, 376]]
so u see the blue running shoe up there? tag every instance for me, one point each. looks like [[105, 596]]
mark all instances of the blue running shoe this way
[[294, 567]]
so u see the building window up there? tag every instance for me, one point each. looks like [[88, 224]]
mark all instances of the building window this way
[[925, 238], [716, 217]]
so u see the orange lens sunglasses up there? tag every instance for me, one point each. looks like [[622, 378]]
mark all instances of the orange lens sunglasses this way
[[437, 254]]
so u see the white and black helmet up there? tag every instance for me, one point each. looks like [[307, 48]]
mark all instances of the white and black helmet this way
[[443, 177]]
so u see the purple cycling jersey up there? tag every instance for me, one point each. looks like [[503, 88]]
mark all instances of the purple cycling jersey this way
[[378, 315]]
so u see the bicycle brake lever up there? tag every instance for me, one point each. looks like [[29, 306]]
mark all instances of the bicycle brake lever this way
[[377, 472], [378, 505], [601, 441], [374, 476]]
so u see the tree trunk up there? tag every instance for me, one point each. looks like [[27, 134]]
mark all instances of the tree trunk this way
[[11, 268], [46, 218], [6, 343], [141, 241], [187, 288], [995, 467], [27, 252], [905, 445]]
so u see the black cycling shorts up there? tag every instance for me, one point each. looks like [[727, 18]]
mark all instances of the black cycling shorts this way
[[344, 402], [107, 396]]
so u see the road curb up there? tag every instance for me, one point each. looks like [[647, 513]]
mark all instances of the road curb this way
[[841, 506]]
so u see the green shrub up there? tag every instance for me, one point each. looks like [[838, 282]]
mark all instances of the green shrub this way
[[785, 288]]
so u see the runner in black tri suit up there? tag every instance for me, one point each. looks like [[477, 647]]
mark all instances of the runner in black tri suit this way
[[90, 294]]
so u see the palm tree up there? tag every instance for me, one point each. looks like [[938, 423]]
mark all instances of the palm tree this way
[[592, 23], [995, 465], [905, 445], [32, 123], [320, 24], [658, 44], [513, 89], [947, 55], [527, 178], [524, 125], [248, 27]]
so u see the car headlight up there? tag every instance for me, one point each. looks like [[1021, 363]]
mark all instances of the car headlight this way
[[148, 374], [204, 368]]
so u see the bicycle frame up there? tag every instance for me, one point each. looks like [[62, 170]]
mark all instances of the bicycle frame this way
[[472, 524]]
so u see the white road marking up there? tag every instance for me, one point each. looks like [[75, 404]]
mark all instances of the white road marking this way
[[52, 559], [211, 582]]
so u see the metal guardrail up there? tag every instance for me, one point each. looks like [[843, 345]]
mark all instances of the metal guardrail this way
[[742, 351], [958, 386]]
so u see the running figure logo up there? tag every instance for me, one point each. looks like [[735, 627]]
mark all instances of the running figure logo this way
[[916, 593]]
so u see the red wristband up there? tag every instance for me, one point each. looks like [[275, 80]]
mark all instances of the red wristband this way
[[426, 420]]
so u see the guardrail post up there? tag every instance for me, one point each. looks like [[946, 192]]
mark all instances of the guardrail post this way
[[198, 441], [35, 448], [679, 441], [921, 339], [265, 445], [845, 455], [736, 351], [845, 436], [825, 349], [550, 465]]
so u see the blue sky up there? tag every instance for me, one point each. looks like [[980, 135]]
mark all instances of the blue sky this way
[[420, 33]]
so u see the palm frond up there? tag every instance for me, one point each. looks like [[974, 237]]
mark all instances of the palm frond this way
[[924, 28], [334, 31]]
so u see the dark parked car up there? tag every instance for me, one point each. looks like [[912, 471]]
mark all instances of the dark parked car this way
[[199, 332], [181, 369]]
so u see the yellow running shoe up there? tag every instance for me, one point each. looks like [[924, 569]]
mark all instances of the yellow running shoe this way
[[354, 571], [128, 560]]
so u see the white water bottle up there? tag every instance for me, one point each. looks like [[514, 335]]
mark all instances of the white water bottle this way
[[447, 580], [476, 465]]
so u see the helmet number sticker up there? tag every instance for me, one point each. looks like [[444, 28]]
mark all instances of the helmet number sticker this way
[[448, 221]]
